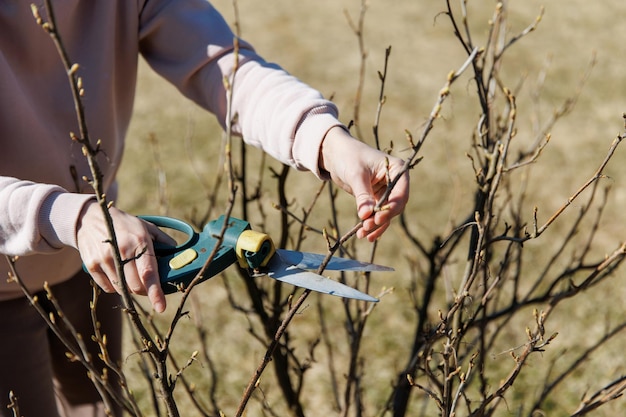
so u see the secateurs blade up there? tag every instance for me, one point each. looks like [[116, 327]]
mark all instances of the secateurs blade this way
[[252, 250]]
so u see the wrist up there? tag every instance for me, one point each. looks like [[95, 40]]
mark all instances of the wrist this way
[[331, 149]]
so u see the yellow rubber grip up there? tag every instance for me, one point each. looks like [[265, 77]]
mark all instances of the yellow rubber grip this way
[[254, 249], [183, 259]]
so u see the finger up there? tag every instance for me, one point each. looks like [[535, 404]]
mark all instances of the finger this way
[[361, 188], [109, 275], [134, 282], [373, 234], [396, 202], [101, 279], [369, 225], [371, 229], [156, 297], [148, 275], [365, 205], [386, 214], [158, 234]]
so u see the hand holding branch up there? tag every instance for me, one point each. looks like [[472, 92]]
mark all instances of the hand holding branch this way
[[365, 172]]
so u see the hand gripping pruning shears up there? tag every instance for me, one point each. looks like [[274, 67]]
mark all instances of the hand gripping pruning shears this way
[[251, 250]]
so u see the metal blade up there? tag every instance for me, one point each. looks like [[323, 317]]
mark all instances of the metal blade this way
[[290, 274], [306, 260]]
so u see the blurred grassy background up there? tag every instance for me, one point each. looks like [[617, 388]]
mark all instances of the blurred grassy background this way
[[312, 40]]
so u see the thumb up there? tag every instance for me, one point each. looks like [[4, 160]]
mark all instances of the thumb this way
[[364, 196]]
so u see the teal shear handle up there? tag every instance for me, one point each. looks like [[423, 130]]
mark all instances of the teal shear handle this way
[[179, 265], [173, 224]]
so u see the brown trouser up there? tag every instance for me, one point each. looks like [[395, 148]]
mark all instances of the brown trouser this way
[[33, 361]]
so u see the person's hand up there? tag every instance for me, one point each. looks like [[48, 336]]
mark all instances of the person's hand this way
[[134, 238], [362, 171]]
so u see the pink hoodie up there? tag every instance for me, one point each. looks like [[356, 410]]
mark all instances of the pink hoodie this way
[[188, 43]]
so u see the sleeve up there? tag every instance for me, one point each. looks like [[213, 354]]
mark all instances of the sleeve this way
[[37, 218], [189, 43]]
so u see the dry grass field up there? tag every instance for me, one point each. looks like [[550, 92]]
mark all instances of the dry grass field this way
[[313, 40]]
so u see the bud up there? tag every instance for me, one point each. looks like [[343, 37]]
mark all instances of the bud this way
[[36, 14]]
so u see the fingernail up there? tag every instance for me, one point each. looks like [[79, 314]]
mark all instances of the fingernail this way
[[159, 307], [366, 210]]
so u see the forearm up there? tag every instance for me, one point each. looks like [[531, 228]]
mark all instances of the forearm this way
[[37, 218], [282, 115], [271, 109]]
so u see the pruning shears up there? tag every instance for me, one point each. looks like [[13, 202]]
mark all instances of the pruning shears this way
[[251, 250]]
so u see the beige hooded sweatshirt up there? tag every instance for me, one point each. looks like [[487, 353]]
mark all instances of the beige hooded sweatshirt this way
[[188, 43]]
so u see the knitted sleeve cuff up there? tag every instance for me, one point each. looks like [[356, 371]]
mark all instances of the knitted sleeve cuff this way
[[58, 218], [309, 137]]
